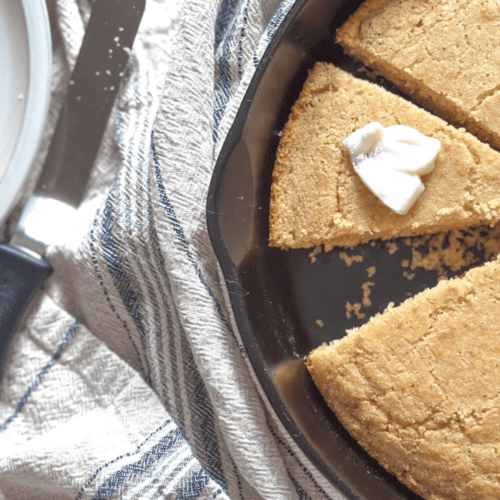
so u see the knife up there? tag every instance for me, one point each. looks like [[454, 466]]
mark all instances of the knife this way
[[92, 90]]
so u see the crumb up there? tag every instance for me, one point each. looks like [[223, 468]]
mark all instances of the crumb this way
[[320, 323], [366, 293], [405, 263], [313, 254], [371, 271], [349, 260], [392, 247], [354, 308], [408, 275]]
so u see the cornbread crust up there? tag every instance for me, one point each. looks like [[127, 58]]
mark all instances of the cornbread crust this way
[[419, 387], [317, 198], [445, 54]]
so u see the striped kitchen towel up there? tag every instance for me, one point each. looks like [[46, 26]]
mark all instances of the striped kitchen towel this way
[[127, 378]]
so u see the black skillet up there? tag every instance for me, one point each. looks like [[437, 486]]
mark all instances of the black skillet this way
[[279, 296]]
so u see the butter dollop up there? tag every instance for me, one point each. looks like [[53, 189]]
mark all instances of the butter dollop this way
[[390, 161]]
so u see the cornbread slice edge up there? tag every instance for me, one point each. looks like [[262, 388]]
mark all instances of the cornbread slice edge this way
[[316, 197], [418, 387], [442, 51]]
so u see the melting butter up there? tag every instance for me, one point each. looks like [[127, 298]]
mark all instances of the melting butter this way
[[390, 161]]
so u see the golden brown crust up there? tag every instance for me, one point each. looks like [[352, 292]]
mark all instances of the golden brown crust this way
[[419, 387], [444, 54], [316, 197]]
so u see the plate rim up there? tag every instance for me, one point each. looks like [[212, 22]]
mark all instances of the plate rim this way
[[37, 105]]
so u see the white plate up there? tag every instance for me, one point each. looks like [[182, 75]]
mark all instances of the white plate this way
[[25, 76]]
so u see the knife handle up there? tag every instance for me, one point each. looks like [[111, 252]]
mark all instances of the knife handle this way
[[21, 274]]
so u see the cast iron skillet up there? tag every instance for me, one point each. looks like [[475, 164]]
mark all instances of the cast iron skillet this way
[[279, 296]]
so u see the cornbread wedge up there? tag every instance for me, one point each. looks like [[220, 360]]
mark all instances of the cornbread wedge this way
[[445, 54], [419, 387], [317, 198]]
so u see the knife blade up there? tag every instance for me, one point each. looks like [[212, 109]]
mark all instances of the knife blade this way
[[94, 84]]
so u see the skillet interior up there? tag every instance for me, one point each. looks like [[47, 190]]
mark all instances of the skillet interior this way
[[277, 296]]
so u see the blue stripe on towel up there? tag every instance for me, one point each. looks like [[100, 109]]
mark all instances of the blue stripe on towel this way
[[202, 415], [105, 290], [242, 36], [194, 485], [223, 88], [301, 492], [216, 494], [304, 469], [278, 17], [40, 376], [222, 20], [121, 280], [209, 438], [180, 234], [121, 457], [169, 464]]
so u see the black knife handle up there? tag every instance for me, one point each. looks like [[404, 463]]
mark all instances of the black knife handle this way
[[21, 275]]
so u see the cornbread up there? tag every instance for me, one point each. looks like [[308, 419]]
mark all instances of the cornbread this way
[[316, 197], [419, 387], [444, 54]]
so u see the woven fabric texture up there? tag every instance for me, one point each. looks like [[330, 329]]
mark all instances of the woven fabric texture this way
[[127, 378]]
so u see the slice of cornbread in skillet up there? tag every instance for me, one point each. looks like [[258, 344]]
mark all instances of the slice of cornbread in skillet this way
[[419, 387], [445, 54], [317, 198]]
